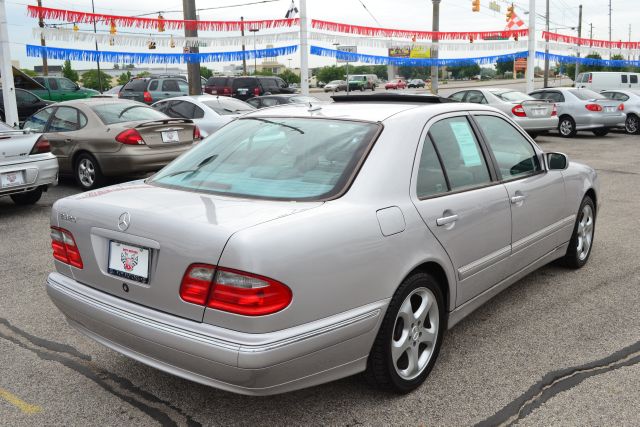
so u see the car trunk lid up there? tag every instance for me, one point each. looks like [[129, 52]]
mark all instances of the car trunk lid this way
[[127, 231], [536, 109], [163, 133]]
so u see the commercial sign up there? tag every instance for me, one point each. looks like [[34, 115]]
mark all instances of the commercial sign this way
[[410, 52], [350, 49]]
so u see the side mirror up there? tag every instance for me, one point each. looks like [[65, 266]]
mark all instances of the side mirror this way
[[557, 161], [77, 87]]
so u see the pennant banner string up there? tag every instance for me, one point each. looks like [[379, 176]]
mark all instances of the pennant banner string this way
[[141, 22], [615, 63], [590, 42], [154, 58]]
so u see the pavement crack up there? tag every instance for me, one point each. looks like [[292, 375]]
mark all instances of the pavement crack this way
[[556, 382], [165, 413]]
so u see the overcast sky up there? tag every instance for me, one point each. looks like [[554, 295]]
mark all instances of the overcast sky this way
[[456, 15]]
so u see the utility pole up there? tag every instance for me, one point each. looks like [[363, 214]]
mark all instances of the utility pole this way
[[629, 54], [244, 58], [45, 64], [530, 77], [591, 31], [435, 26], [304, 49], [9, 90], [546, 50], [191, 30], [579, 35], [93, 9]]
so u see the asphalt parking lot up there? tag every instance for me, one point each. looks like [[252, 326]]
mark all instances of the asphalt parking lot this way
[[559, 347]]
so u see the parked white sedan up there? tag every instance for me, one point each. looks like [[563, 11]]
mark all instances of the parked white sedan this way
[[27, 167]]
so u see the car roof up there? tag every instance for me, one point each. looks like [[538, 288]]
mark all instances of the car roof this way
[[370, 111], [97, 101]]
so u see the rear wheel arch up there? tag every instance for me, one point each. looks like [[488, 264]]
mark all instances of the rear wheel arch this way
[[437, 271], [592, 195], [76, 155]]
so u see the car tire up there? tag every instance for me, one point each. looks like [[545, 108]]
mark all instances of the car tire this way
[[533, 135], [403, 328], [87, 172], [567, 127], [2, 117], [581, 241], [28, 198], [601, 132], [632, 124]]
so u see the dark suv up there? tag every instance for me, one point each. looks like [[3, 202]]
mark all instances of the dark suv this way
[[247, 87], [153, 89]]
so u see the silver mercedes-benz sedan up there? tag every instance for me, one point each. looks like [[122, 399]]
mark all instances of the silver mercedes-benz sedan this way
[[27, 167], [535, 116], [305, 243]]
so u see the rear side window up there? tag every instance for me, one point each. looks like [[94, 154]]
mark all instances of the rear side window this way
[[274, 158], [623, 78], [633, 79], [65, 119], [24, 97], [170, 86], [458, 96], [269, 84], [137, 85], [153, 86], [461, 156], [475, 97], [53, 84], [38, 121], [513, 152], [431, 180], [126, 112], [554, 96], [580, 78]]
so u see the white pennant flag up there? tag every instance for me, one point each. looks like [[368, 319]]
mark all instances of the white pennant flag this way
[[292, 12]]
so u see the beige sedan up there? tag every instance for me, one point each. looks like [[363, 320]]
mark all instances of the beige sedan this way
[[98, 138]]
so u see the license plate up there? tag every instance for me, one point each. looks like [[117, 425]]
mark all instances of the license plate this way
[[128, 261], [609, 109], [11, 179], [539, 111], [243, 91], [170, 136]]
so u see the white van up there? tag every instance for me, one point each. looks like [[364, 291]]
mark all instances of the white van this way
[[607, 80]]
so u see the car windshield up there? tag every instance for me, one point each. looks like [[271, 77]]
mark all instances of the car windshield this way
[[4, 127], [114, 90], [273, 158], [136, 85], [228, 106], [512, 96], [303, 99], [335, 82], [126, 112], [586, 94]]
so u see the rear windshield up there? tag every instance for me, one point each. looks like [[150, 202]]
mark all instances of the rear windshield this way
[[137, 85], [585, 94], [273, 158], [126, 112], [512, 95], [217, 81], [230, 106], [303, 99]]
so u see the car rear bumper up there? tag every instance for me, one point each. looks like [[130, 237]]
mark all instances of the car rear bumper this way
[[138, 159], [39, 173], [598, 120], [252, 364], [537, 125]]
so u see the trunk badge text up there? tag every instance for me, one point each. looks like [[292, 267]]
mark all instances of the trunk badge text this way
[[123, 221], [65, 217]]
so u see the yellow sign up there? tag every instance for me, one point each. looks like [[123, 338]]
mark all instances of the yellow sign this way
[[421, 52]]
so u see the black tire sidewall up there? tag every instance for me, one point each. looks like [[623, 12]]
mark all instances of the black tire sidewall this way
[[418, 280], [573, 127], [29, 198], [637, 120], [571, 258]]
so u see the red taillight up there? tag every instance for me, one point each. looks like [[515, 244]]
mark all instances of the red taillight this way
[[233, 291], [64, 247], [593, 107], [41, 146], [518, 111], [225, 91], [130, 137], [196, 283], [621, 107], [554, 112], [147, 97], [590, 78], [196, 133], [256, 91]]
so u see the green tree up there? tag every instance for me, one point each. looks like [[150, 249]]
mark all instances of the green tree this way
[[289, 76], [487, 73], [464, 71], [570, 68], [143, 74], [417, 72], [503, 67], [129, 67], [326, 74], [124, 78], [264, 73], [116, 66], [90, 80], [29, 72], [69, 72], [205, 72]]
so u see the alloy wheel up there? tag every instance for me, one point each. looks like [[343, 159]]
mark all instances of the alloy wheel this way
[[633, 124], [86, 172], [566, 127], [415, 333], [585, 232]]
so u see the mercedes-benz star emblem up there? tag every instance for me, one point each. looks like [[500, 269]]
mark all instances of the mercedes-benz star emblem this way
[[124, 221]]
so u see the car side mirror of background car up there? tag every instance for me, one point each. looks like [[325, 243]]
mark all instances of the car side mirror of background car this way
[[557, 161]]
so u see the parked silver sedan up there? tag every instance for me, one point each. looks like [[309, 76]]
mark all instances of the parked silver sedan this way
[[583, 109], [532, 115], [631, 102], [208, 112], [301, 244], [27, 167]]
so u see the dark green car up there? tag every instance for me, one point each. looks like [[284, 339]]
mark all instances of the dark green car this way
[[60, 89]]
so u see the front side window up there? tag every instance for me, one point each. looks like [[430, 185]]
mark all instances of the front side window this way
[[623, 78], [475, 97], [282, 83], [53, 84], [634, 79], [67, 84], [153, 86], [274, 158], [513, 152], [269, 84], [462, 158], [24, 97], [65, 119], [183, 86], [126, 112], [38, 121]]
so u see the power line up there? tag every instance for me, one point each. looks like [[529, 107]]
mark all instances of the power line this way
[[369, 12]]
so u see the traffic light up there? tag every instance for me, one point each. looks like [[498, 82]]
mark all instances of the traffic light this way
[[160, 23], [475, 5], [510, 12]]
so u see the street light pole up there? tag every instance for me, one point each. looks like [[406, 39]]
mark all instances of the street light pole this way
[[255, 57], [435, 26], [191, 30], [546, 50], [579, 35], [45, 64], [304, 49], [93, 9], [244, 58], [336, 48], [531, 66]]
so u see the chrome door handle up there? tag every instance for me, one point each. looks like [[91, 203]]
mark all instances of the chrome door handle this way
[[446, 220], [68, 141], [517, 199]]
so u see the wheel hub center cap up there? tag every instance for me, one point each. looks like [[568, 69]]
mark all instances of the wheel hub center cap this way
[[415, 333]]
